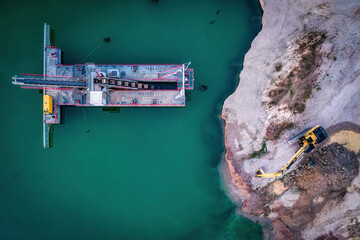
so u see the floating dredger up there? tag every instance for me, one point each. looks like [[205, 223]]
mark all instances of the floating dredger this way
[[104, 85]]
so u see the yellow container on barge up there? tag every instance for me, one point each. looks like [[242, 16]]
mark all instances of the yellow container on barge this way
[[48, 104]]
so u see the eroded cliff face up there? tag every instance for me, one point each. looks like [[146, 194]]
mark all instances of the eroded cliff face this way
[[303, 69]]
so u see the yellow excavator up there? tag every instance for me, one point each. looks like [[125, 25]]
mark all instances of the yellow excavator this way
[[308, 142]]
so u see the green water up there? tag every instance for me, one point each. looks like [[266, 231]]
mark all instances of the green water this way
[[139, 174]]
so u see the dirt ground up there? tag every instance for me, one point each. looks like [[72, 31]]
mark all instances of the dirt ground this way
[[349, 139]]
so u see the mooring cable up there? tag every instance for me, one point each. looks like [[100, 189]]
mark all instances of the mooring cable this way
[[92, 52], [211, 25], [105, 40]]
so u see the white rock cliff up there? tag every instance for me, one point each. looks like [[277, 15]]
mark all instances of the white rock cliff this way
[[303, 69]]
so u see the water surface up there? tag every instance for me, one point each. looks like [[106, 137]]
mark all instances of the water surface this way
[[143, 173]]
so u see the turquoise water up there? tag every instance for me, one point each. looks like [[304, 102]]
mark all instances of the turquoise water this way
[[139, 174]]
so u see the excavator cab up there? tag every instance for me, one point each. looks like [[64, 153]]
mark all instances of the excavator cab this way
[[308, 142], [313, 137]]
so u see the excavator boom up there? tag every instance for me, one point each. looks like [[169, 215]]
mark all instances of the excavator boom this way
[[295, 157], [260, 173]]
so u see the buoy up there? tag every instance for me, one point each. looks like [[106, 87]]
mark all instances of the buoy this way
[[203, 87]]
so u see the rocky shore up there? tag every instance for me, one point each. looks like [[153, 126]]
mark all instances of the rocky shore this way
[[302, 70]]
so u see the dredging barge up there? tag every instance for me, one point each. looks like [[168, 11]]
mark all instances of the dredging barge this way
[[104, 85]]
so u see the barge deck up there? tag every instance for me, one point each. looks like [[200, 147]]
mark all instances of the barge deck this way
[[104, 85]]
